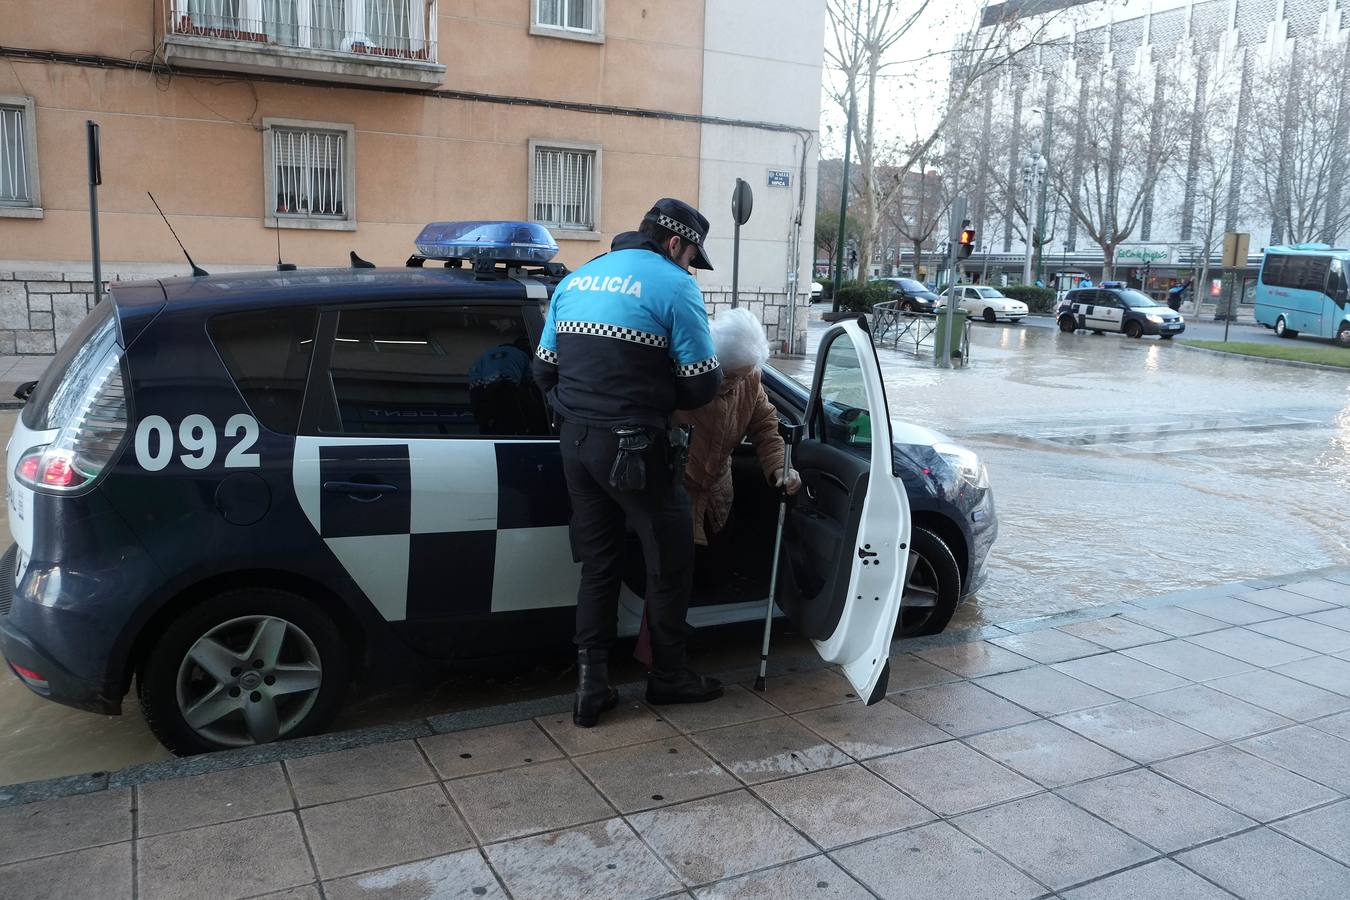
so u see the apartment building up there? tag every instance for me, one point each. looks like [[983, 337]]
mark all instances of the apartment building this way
[[312, 128]]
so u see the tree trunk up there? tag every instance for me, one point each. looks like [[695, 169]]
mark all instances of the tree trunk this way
[[1108, 259], [870, 193], [918, 260]]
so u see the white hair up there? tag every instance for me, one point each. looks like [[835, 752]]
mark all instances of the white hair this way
[[738, 339]]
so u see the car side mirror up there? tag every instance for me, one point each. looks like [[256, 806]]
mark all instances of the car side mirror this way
[[25, 391]]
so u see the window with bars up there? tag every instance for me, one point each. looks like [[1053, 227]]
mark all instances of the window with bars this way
[[309, 173], [569, 15], [18, 156], [563, 187]]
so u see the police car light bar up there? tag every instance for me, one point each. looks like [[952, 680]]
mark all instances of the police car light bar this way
[[519, 242]]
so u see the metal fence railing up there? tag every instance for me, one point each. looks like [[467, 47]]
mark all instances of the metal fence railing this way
[[399, 29], [913, 331]]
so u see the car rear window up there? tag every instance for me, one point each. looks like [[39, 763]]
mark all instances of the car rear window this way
[[267, 353], [448, 370], [46, 406]]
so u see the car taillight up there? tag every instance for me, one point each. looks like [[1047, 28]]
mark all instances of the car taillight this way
[[86, 443]]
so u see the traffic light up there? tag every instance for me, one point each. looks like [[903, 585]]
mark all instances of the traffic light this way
[[967, 239]]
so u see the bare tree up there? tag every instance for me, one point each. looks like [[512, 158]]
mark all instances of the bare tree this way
[[861, 45], [916, 207], [1298, 135], [1207, 174], [1108, 119]]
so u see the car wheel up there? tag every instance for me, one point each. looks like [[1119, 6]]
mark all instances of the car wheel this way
[[990, 316], [932, 586], [907, 306], [1283, 330], [1343, 336], [1067, 324], [1133, 330], [247, 666]]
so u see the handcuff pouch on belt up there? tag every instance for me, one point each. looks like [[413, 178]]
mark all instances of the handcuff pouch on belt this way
[[629, 472]]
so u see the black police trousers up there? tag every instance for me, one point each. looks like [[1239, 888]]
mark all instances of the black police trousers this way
[[660, 516]]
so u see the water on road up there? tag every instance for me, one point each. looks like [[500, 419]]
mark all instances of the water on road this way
[[1133, 468]]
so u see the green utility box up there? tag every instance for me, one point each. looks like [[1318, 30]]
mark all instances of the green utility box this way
[[958, 331]]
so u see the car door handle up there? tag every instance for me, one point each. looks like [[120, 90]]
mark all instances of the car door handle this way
[[359, 487]]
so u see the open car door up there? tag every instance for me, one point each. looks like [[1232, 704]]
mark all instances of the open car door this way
[[846, 542]]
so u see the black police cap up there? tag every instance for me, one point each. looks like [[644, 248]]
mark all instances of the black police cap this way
[[682, 219]]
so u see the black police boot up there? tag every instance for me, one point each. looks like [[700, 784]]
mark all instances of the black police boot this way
[[594, 695], [681, 687]]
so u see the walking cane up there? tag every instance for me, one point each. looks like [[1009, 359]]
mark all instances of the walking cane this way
[[790, 434]]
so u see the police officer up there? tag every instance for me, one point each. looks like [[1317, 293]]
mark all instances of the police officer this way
[[625, 344]]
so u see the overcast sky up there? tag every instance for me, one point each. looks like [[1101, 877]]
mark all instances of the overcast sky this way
[[910, 89], [909, 95]]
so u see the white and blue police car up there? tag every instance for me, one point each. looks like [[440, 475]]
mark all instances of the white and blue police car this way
[[239, 492], [1111, 306]]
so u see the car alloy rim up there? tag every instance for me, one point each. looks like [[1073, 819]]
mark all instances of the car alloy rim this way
[[249, 680], [920, 597]]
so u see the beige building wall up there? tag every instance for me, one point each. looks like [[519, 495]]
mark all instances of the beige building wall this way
[[197, 143]]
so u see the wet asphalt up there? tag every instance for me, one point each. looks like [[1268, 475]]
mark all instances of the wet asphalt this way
[[1120, 469]]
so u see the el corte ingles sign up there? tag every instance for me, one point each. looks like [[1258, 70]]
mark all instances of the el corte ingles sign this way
[[1138, 254]]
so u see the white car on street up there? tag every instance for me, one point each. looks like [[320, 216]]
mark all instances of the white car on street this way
[[989, 304]]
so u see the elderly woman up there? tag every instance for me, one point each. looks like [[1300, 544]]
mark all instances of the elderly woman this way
[[740, 409]]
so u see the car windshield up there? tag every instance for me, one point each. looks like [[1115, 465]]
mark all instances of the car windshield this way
[[914, 287], [990, 293], [1136, 300]]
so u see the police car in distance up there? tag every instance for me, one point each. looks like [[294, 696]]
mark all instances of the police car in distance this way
[[1111, 306], [239, 492]]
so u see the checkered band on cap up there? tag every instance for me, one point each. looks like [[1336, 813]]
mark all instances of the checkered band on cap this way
[[691, 369], [547, 355], [680, 228], [619, 332]]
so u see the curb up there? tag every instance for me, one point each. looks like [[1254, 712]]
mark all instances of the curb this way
[[1290, 363], [144, 773]]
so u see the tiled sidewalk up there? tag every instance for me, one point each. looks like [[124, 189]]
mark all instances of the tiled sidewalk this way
[[1177, 751]]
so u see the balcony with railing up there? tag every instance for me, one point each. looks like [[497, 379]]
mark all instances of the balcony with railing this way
[[369, 41]]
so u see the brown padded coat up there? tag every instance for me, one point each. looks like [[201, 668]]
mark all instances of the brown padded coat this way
[[743, 410]]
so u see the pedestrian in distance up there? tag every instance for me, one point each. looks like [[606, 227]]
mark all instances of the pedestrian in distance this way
[[625, 344], [1177, 293]]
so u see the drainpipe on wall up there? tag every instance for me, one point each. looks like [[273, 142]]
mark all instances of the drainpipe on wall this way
[[794, 254]]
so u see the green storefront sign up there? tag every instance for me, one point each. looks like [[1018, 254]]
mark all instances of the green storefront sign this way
[[1138, 256]]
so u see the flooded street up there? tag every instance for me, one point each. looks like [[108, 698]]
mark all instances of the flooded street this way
[[1133, 468], [1120, 468]]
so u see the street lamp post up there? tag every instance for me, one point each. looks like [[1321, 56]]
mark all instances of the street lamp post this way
[[1033, 176]]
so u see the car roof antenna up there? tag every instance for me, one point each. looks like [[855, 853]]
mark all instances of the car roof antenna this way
[[358, 262], [197, 271], [281, 266]]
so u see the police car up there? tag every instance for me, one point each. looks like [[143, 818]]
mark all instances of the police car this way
[[239, 492], [1113, 307]]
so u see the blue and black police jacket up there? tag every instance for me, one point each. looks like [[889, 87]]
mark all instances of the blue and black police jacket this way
[[626, 340]]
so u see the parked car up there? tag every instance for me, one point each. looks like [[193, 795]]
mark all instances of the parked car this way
[[1111, 306], [913, 296], [817, 289], [989, 304], [238, 492]]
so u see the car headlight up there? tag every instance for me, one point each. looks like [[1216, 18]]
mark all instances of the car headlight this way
[[1156, 320], [967, 464]]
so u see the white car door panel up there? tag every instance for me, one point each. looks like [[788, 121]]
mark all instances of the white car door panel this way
[[846, 543]]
